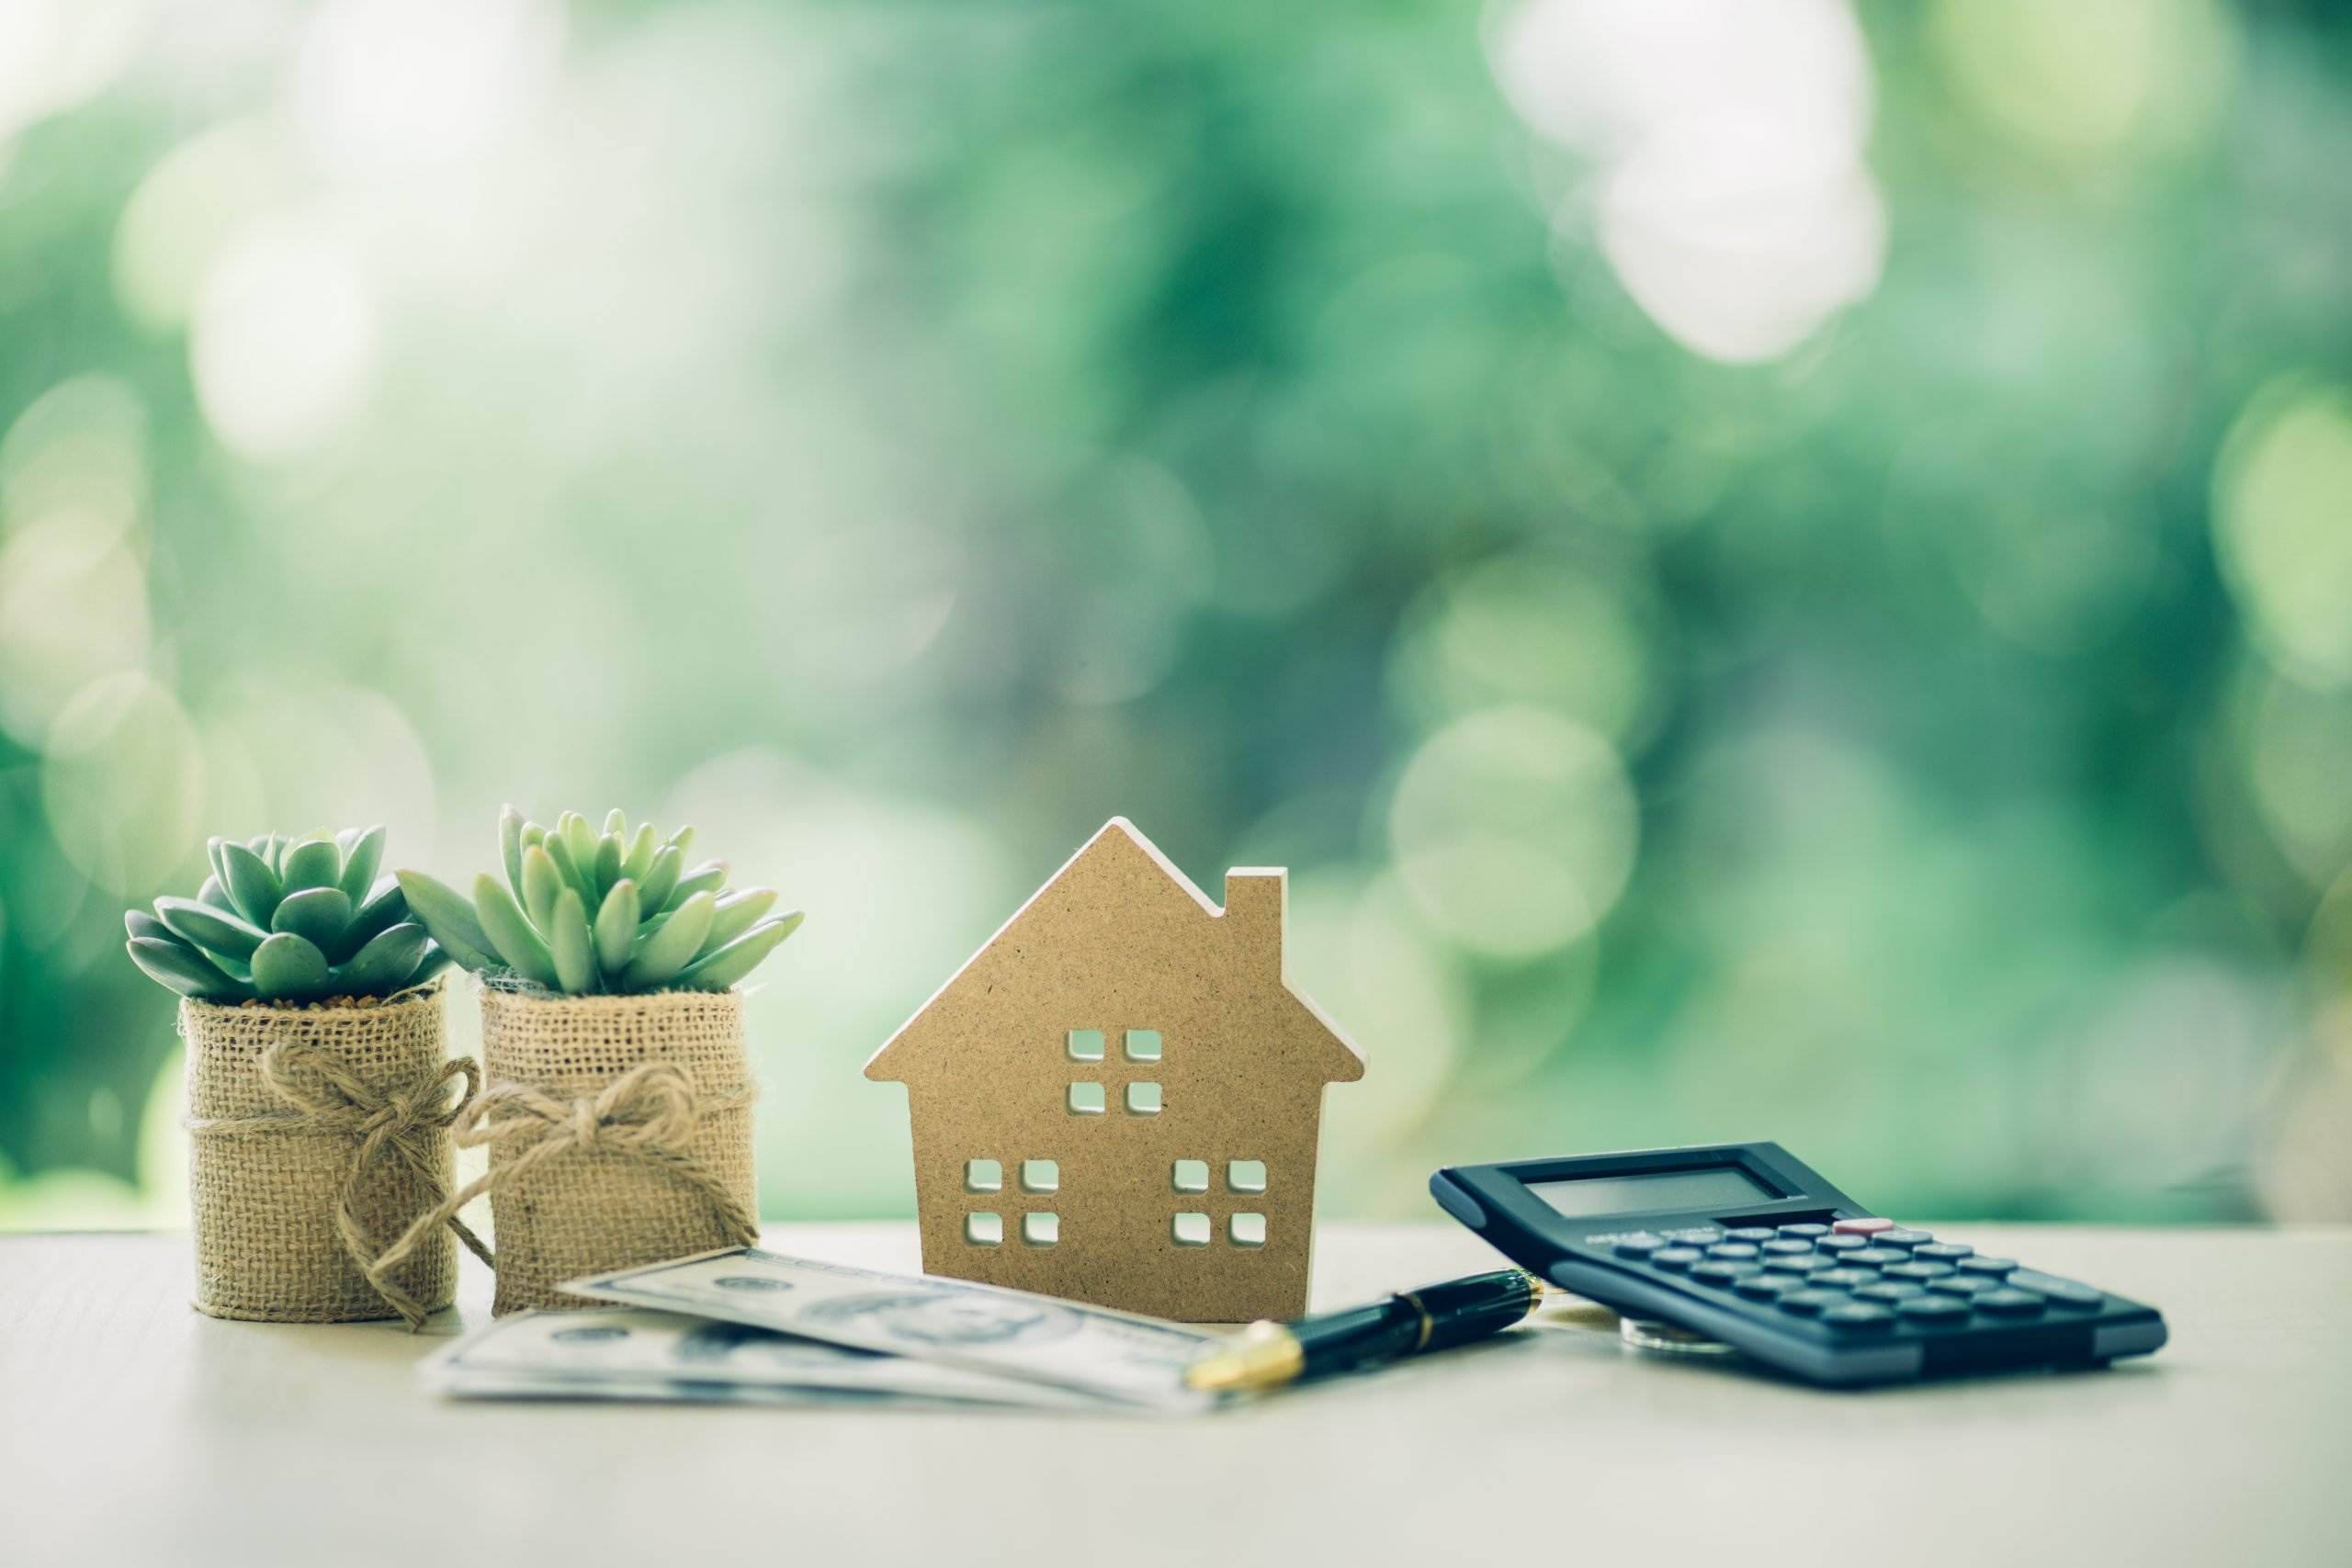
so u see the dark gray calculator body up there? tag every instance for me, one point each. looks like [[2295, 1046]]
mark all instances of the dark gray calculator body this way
[[1741, 1243]]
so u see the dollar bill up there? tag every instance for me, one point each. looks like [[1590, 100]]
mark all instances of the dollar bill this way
[[952, 1323], [620, 1352]]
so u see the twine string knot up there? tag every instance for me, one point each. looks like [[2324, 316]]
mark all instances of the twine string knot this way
[[324, 1095], [651, 1113]]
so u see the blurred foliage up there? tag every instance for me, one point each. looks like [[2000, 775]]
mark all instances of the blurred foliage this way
[[1771, 574]]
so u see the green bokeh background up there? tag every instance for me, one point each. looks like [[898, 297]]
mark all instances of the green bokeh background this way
[[1772, 569]]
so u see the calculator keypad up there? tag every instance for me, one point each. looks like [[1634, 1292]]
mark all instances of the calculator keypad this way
[[1863, 1276]]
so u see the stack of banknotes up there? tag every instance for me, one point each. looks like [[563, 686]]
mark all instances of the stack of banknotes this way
[[751, 1327]]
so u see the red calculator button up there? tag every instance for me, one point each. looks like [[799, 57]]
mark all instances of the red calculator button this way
[[1862, 1227]]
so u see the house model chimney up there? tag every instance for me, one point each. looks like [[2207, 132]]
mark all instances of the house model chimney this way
[[1253, 911]]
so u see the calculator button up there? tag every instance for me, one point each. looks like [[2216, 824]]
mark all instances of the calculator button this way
[[2062, 1292], [1722, 1270], [1875, 1257], [1869, 1226], [1749, 1232], [1788, 1247], [1764, 1287], [1674, 1257], [1994, 1266], [1640, 1245], [1943, 1251], [1732, 1249], [1934, 1308], [1796, 1262], [1802, 1233], [1804, 1304], [2008, 1301], [1856, 1315], [1702, 1236], [1842, 1243], [1899, 1237], [1841, 1278], [1888, 1292], [1918, 1270], [1963, 1284]]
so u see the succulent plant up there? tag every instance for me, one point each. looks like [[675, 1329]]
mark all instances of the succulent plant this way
[[613, 913], [288, 920]]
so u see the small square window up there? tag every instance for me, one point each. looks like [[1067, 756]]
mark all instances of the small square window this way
[[1085, 1044], [1245, 1175], [1143, 1100], [1191, 1230], [1040, 1230], [1040, 1176], [1086, 1099], [1247, 1230], [983, 1176], [1143, 1044], [1191, 1176], [984, 1230]]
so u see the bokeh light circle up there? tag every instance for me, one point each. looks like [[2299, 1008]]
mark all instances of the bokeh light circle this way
[[2282, 525], [1514, 829], [123, 784]]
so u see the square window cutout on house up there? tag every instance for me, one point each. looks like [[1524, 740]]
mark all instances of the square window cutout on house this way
[[1245, 1175], [1143, 1044], [1040, 1230], [1040, 1176], [983, 1176], [1085, 1044], [1086, 1099], [1190, 1230], [1143, 1100], [1247, 1230], [1191, 1176], [984, 1230]]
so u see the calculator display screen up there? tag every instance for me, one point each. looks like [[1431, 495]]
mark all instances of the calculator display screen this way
[[1713, 1186]]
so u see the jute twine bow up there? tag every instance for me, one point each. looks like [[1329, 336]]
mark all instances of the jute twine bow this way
[[649, 1112], [326, 1097]]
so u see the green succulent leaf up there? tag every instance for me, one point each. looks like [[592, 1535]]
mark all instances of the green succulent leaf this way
[[639, 857], [609, 853], [140, 923], [360, 859], [579, 838], [313, 863], [212, 847], [213, 893], [207, 927], [387, 964], [288, 967], [654, 893], [510, 847], [385, 907], [252, 887], [172, 965], [316, 914], [616, 825], [722, 967], [616, 926], [511, 934], [708, 877], [542, 883], [671, 948], [570, 944], [558, 850], [451, 919], [685, 839], [737, 913], [432, 963]]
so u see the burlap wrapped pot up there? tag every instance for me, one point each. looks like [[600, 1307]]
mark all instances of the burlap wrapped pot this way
[[619, 1131], [316, 1135]]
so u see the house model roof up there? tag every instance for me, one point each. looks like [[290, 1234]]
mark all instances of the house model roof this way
[[1121, 934]]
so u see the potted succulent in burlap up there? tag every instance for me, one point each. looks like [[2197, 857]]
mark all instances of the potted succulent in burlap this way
[[318, 1092], [618, 1107]]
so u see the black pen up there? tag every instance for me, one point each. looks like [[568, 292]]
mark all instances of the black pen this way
[[1267, 1354]]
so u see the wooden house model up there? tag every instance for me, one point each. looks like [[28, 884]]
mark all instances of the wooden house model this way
[[1117, 1099]]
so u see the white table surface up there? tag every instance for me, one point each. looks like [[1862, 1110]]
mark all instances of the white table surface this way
[[133, 1430]]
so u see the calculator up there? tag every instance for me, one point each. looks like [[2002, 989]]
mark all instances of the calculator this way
[[1740, 1243]]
